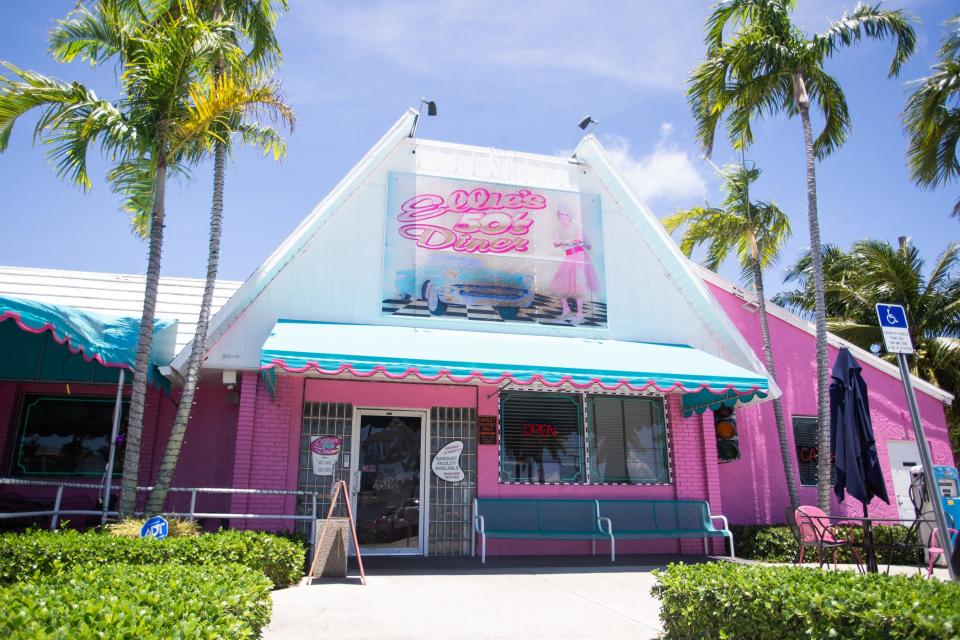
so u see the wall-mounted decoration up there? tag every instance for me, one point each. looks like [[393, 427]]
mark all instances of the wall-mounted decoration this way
[[325, 451], [480, 251], [446, 464], [486, 429]]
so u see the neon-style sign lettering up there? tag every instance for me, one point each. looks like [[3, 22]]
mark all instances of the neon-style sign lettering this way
[[480, 211], [543, 430]]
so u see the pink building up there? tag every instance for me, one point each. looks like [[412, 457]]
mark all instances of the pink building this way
[[455, 322]]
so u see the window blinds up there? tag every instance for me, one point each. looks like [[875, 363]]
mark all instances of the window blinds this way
[[627, 440]]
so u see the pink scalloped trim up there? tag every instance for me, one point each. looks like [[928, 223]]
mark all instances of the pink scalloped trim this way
[[13, 315], [413, 371]]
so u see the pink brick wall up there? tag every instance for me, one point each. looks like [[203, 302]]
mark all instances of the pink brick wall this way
[[267, 448], [268, 435]]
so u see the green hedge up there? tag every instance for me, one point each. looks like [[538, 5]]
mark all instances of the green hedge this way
[[775, 543], [136, 601], [39, 552], [731, 600], [767, 543]]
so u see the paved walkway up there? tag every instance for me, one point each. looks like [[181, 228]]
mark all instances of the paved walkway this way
[[524, 598], [464, 602]]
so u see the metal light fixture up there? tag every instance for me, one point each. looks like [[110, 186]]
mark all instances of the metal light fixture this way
[[586, 122], [431, 111]]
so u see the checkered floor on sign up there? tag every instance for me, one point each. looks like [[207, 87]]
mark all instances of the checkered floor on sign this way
[[545, 310]]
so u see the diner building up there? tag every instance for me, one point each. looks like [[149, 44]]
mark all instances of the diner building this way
[[453, 322]]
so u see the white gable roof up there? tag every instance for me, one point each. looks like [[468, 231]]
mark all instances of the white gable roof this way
[[330, 267]]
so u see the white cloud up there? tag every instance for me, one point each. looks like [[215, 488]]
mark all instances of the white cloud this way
[[639, 45], [668, 174]]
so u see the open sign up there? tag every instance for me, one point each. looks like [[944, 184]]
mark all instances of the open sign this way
[[539, 429]]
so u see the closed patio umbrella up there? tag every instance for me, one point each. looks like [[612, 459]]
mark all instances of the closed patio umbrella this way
[[852, 444]]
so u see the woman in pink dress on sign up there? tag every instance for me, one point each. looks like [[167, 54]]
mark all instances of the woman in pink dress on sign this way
[[576, 277]]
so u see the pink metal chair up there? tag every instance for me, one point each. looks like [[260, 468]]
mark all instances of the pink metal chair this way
[[933, 551], [815, 530]]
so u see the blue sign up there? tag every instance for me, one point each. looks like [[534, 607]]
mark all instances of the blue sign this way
[[155, 527], [892, 315], [893, 324]]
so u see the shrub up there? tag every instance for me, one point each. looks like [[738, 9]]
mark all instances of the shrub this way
[[131, 527], [764, 542], [731, 600], [134, 601], [41, 552]]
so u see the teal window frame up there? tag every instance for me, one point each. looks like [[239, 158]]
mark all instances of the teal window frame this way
[[30, 400], [660, 437], [579, 477]]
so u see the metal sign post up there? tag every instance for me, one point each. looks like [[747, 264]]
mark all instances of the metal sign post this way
[[896, 337]]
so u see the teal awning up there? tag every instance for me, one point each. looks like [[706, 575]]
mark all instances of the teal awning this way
[[40, 341], [470, 356]]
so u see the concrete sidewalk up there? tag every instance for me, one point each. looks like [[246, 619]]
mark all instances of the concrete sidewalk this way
[[465, 601]]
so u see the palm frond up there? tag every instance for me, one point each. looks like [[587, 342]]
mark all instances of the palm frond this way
[[133, 181], [92, 35], [826, 93], [932, 122], [217, 101], [861, 334], [72, 118], [267, 139], [875, 23]]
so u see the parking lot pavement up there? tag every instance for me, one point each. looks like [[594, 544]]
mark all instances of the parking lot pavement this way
[[489, 602]]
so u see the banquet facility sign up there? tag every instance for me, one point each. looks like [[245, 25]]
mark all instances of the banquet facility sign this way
[[480, 251], [325, 451]]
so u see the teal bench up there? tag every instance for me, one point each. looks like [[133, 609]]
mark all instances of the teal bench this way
[[650, 519], [510, 518]]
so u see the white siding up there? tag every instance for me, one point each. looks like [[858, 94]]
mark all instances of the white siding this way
[[115, 294]]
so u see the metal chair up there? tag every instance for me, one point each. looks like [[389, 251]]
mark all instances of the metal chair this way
[[934, 551], [791, 519], [816, 530]]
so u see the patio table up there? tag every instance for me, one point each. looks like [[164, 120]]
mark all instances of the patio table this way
[[908, 541]]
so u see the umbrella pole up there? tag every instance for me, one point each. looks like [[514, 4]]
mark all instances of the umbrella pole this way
[[871, 558]]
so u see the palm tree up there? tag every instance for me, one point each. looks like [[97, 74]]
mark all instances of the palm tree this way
[[254, 20], [759, 63], [932, 118], [756, 232], [170, 113]]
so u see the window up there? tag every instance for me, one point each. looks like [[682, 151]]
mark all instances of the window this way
[[628, 440], [66, 436], [806, 441], [541, 438]]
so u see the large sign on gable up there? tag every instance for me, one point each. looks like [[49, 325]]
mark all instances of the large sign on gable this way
[[479, 251]]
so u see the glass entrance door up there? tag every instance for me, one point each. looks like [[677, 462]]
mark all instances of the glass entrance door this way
[[387, 488]]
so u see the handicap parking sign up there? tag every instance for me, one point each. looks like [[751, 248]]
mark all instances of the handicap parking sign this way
[[896, 332], [155, 527]]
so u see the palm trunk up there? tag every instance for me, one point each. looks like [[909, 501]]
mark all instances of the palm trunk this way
[[771, 369], [824, 463], [138, 393], [177, 433]]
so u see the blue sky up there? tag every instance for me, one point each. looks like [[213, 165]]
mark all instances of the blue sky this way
[[513, 75]]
